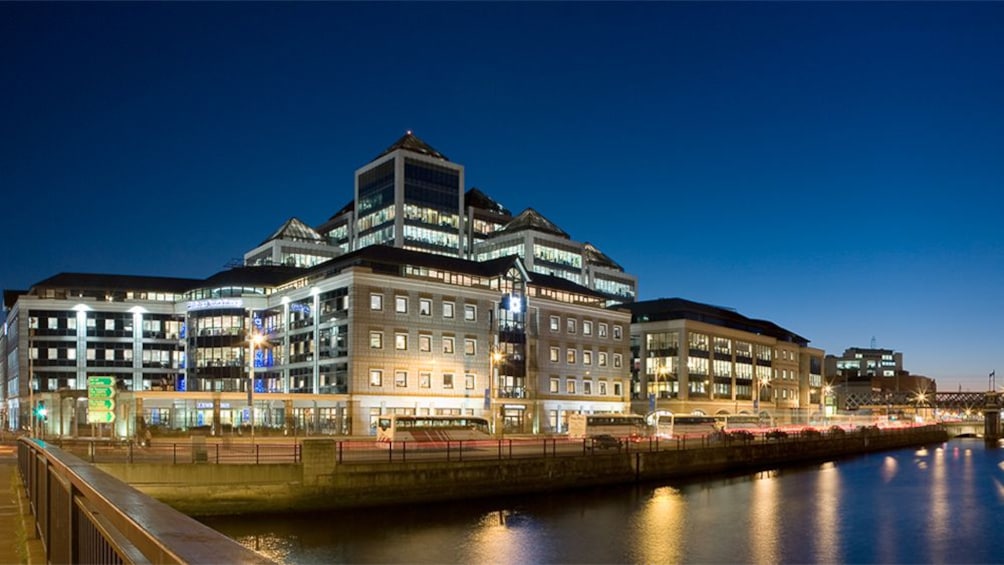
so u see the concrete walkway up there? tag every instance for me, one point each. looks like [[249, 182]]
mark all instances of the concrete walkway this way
[[18, 543]]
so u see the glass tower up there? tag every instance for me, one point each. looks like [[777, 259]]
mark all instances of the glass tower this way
[[410, 196]]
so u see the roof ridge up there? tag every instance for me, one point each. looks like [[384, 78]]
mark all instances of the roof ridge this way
[[411, 142]]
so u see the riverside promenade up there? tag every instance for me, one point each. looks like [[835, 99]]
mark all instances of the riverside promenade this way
[[19, 544]]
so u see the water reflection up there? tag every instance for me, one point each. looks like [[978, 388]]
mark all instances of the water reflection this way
[[828, 502], [657, 528], [763, 517], [933, 505], [503, 537], [939, 512]]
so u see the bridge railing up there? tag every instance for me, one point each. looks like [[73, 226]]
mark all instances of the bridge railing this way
[[84, 515]]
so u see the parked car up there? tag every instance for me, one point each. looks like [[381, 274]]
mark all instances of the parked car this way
[[606, 441]]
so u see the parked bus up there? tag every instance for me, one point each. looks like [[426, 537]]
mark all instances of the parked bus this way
[[741, 422], [676, 425], [398, 427], [630, 426]]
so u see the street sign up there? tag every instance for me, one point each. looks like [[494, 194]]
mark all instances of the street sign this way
[[100, 417], [100, 387], [100, 381], [100, 405]]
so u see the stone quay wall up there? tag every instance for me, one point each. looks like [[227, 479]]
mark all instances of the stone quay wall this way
[[319, 482]]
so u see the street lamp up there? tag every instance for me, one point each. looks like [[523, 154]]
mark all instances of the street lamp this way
[[493, 360], [31, 384], [827, 391], [254, 340], [661, 373], [921, 400], [759, 382]]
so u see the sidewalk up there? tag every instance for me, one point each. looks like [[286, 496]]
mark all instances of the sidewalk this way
[[15, 517]]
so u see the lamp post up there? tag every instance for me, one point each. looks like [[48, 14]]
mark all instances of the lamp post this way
[[493, 360], [31, 384], [921, 401], [827, 391], [254, 340], [759, 383]]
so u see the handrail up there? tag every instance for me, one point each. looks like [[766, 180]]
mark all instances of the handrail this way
[[84, 515]]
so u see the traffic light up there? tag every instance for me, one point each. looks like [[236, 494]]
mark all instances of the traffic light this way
[[41, 411]]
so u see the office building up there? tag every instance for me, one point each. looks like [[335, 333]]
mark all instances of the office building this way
[[693, 358]]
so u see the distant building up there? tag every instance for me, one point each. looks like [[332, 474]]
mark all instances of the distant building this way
[[861, 362], [873, 377]]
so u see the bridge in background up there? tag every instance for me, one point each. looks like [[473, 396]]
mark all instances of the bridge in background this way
[[973, 413], [971, 402]]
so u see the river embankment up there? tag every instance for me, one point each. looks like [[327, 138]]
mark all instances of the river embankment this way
[[320, 481]]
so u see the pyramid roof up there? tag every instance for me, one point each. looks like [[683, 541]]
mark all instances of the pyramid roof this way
[[411, 142], [596, 257], [295, 230], [531, 219], [477, 199]]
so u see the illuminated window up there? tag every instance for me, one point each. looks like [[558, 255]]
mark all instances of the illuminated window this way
[[570, 386], [400, 378], [617, 360], [602, 330], [555, 352], [448, 345], [469, 381], [587, 357], [470, 312], [425, 379], [555, 383], [401, 304], [470, 346], [376, 340], [376, 377], [376, 302], [555, 324], [603, 388], [401, 342], [570, 325], [602, 359], [570, 356], [425, 343], [424, 307], [448, 310], [587, 327]]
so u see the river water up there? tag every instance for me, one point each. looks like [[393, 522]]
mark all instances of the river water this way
[[940, 504]]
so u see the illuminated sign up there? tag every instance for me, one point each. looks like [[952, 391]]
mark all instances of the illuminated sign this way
[[215, 303]]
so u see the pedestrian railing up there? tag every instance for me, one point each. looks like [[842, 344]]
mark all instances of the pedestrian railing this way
[[349, 451], [84, 515]]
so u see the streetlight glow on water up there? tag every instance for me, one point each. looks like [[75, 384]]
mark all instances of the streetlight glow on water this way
[[941, 504]]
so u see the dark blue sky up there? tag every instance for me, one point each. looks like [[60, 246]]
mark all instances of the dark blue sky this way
[[836, 168]]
